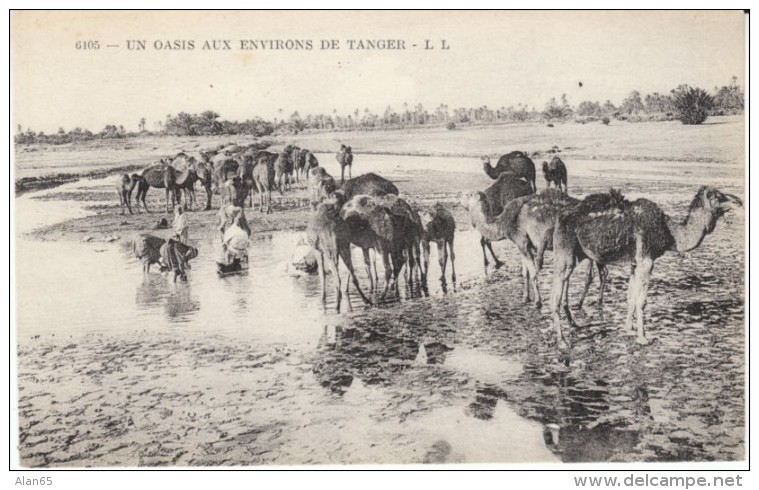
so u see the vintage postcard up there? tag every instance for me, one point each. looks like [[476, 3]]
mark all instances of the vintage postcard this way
[[267, 238]]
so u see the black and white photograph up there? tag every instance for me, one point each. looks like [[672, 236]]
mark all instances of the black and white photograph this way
[[407, 239]]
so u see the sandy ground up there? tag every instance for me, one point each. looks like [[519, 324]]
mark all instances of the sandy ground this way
[[151, 398]]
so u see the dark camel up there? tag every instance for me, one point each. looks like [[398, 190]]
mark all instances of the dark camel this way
[[264, 176], [555, 173], [372, 226], [614, 231], [438, 226], [328, 235], [345, 159], [516, 162], [160, 176], [368, 184]]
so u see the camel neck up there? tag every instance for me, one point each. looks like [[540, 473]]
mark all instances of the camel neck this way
[[690, 233], [487, 225]]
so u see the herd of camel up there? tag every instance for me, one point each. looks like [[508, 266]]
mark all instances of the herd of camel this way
[[368, 213]]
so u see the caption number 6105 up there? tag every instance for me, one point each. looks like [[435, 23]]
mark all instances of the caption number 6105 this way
[[93, 45]]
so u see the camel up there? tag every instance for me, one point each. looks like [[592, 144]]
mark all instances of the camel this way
[[223, 166], [438, 226], [529, 223], [556, 173], [498, 195], [321, 185], [368, 184], [373, 226], [345, 159], [328, 235], [245, 172], [264, 176], [160, 176], [517, 162], [147, 249], [306, 162], [198, 171], [408, 228], [283, 171], [125, 184], [614, 231], [234, 191]]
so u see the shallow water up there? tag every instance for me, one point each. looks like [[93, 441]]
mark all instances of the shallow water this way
[[468, 374]]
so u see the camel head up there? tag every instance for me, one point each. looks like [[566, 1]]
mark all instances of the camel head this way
[[714, 203], [485, 160], [546, 169]]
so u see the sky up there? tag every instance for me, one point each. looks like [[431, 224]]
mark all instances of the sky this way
[[496, 59]]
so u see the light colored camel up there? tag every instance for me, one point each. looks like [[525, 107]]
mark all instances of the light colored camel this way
[[614, 231], [529, 223], [125, 184]]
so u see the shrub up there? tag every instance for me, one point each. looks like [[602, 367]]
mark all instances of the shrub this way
[[605, 120], [692, 105], [450, 126]]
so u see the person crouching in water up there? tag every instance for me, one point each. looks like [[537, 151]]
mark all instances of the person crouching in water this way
[[235, 234], [181, 225]]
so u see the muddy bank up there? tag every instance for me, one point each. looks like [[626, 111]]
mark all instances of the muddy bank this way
[[29, 184]]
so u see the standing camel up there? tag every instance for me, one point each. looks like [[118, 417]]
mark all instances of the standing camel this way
[[498, 195], [283, 171], [125, 184], [555, 173], [517, 162], [529, 223], [328, 235], [372, 226], [345, 159], [369, 184], [321, 185], [614, 231], [264, 176], [438, 226], [160, 176]]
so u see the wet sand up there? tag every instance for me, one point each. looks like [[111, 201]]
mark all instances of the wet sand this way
[[469, 376]]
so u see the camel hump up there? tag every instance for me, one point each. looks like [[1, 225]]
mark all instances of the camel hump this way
[[183, 175]]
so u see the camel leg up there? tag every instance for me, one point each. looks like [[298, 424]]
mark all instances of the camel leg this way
[[532, 279], [603, 274], [332, 264], [498, 263], [121, 202], [484, 253], [368, 264], [588, 281], [562, 271], [345, 253], [525, 282], [342, 173], [453, 259], [425, 264], [349, 172], [632, 293], [388, 272], [268, 201], [643, 273], [442, 258], [320, 264]]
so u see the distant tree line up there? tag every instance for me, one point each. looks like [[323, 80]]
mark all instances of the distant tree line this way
[[688, 104]]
